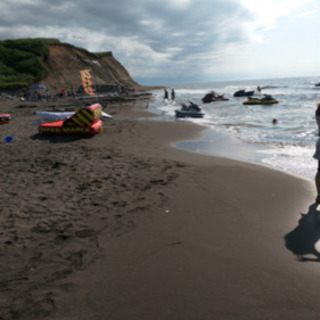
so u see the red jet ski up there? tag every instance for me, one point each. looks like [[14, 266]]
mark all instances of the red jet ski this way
[[211, 96]]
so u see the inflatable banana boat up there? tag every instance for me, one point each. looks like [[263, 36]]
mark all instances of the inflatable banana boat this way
[[84, 122]]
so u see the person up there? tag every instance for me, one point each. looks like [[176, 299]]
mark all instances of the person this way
[[72, 92], [165, 94], [317, 154], [317, 115], [267, 97], [47, 95], [317, 178], [193, 105], [172, 94], [213, 94]]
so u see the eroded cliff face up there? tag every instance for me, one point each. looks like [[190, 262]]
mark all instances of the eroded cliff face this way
[[66, 62]]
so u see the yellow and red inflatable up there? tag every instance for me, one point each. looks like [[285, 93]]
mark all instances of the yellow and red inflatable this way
[[85, 122]]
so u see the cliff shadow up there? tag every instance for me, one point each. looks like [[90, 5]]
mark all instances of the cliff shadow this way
[[302, 240]]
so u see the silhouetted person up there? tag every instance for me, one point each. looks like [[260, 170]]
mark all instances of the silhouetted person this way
[[173, 96], [166, 95], [317, 115], [301, 241], [317, 178], [317, 154]]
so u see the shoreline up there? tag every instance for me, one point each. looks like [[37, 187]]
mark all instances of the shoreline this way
[[220, 144], [126, 226]]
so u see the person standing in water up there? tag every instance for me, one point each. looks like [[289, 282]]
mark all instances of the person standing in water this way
[[173, 96], [166, 95]]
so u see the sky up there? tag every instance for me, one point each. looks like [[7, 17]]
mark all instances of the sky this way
[[180, 41]]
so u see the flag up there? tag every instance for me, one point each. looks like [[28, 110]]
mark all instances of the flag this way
[[87, 82]]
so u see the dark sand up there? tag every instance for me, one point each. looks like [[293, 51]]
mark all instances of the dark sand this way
[[123, 226]]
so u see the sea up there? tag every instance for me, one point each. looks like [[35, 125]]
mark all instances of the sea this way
[[248, 132]]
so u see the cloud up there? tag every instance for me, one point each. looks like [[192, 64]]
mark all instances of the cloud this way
[[148, 38], [314, 13], [181, 4], [267, 12]]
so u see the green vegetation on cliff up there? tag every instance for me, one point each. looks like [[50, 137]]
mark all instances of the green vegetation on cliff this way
[[24, 62]]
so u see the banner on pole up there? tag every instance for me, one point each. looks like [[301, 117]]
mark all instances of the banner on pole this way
[[87, 82]]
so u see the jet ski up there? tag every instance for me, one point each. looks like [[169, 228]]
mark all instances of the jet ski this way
[[317, 85], [243, 93], [211, 96], [266, 100], [192, 110]]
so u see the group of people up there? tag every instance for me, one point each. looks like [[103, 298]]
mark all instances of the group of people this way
[[166, 94], [35, 96]]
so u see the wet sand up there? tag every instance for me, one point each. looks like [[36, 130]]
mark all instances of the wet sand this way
[[124, 226]]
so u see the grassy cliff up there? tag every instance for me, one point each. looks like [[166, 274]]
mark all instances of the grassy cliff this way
[[24, 62]]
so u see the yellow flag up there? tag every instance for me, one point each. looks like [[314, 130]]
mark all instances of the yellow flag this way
[[87, 82]]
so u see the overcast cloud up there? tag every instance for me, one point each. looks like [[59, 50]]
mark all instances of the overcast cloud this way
[[158, 42]]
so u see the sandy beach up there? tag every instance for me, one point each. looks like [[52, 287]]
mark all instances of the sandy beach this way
[[125, 226]]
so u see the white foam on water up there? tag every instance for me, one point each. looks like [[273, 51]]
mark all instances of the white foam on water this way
[[296, 160]]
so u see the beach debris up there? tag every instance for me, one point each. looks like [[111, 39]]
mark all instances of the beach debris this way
[[5, 118], [38, 86], [55, 116], [8, 139], [175, 243], [96, 181]]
